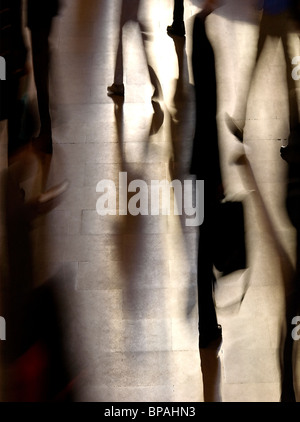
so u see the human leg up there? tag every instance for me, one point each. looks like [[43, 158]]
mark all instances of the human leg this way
[[177, 27], [236, 122], [41, 57], [209, 329]]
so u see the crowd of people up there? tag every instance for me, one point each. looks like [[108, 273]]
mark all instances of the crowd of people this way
[[30, 141]]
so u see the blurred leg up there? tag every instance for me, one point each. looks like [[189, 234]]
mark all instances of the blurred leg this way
[[178, 11], [177, 27], [41, 66], [208, 325]]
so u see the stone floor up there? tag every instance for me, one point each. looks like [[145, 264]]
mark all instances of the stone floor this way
[[128, 283]]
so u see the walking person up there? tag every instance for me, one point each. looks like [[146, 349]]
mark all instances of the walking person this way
[[130, 13], [40, 15]]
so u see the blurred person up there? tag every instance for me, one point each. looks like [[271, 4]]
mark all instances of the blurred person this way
[[288, 393], [129, 13], [32, 351], [40, 15], [280, 19], [177, 27], [14, 51], [15, 103], [34, 366], [33, 341], [205, 164], [277, 21], [291, 153], [221, 237]]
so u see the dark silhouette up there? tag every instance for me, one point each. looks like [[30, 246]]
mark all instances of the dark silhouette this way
[[222, 237], [39, 20], [32, 357], [178, 27], [34, 366], [205, 165], [287, 271], [293, 291], [14, 51]]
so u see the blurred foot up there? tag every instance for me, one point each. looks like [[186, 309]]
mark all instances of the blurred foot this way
[[43, 143], [211, 336], [234, 128], [157, 119], [290, 153], [47, 200], [116, 89], [176, 29], [53, 193]]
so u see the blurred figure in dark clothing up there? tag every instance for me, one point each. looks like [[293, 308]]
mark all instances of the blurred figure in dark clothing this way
[[32, 356], [34, 366], [14, 51], [178, 27], [221, 236], [206, 166], [280, 19], [40, 16], [288, 393]]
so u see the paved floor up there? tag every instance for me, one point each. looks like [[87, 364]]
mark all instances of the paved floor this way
[[128, 283]]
